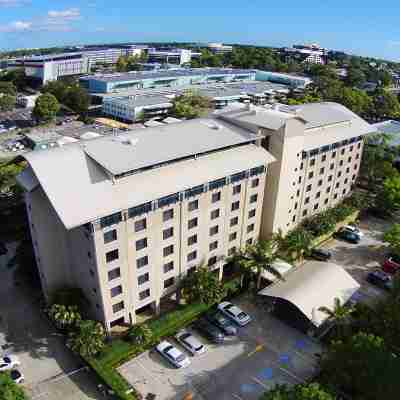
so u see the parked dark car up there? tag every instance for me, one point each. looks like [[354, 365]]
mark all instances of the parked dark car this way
[[3, 249], [321, 254], [222, 322], [380, 279], [347, 236], [209, 330]]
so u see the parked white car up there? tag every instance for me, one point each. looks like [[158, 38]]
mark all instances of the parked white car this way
[[173, 355], [17, 376], [353, 229], [190, 343], [234, 313], [8, 362]]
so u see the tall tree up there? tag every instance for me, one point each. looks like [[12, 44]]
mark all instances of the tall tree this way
[[191, 105], [386, 104], [46, 108], [392, 236], [9, 390], [355, 77], [388, 198], [77, 99], [202, 286], [89, 339], [340, 314]]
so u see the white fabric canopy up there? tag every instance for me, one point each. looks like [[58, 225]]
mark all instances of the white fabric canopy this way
[[314, 285]]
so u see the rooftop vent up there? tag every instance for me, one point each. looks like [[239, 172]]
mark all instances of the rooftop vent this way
[[213, 125], [125, 140]]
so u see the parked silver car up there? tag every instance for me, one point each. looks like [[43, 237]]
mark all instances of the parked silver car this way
[[190, 343], [234, 313], [173, 355]]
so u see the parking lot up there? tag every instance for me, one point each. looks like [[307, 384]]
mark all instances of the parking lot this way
[[265, 353], [360, 259]]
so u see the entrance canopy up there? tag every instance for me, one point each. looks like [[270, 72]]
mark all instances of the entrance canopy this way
[[314, 285]]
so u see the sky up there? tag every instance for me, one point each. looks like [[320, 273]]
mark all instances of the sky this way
[[367, 27]]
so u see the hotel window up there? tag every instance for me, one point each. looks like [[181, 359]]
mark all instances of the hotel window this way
[[168, 250], [349, 159], [114, 274], [193, 223], [321, 171], [110, 236], [192, 256], [118, 307], [214, 230], [215, 197], [334, 154], [328, 189], [168, 214], [236, 189], [142, 261], [355, 166], [316, 206], [169, 282], [320, 182], [310, 174], [110, 220], [326, 201], [232, 236], [250, 228], [304, 213], [141, 244], [308, 189], [337, 185], [235, 206], [341, 163], [252, 213], [253, 198], [339, 174], [318, 195], [344, 191], [234, 221], [249, 241], [255, 182], [359, 145], [115, 291], [112, 255], [345, 181], [335, 196], [213, 245], [299, 180], [144, 294], [193, 205], [332, 166], [323, 158], [312, 162], [140, 225], [143, 278], [212, 261], [330, 177], [307, 200], [167, 233], [214, 214], [192, 240], [169, 266]]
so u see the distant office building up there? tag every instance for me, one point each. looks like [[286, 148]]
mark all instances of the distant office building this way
[[150, 207], [294, 81], [112, 54], [219, 48], [158, 79], [149, 103], [307, 53], [51, 67], [171, 56]]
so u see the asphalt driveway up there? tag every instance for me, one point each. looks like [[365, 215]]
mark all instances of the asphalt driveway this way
[[265, 353], [51, 371]]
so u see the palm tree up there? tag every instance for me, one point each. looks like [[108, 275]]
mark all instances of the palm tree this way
[[340, 314], [89, 339], [297, 241], [256, 258], [65, 316]]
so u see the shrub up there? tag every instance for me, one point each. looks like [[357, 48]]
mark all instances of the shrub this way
[[140, 334]]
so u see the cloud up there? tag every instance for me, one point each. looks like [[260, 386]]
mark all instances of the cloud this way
[[54, 21], [13, 3], [71, 13]]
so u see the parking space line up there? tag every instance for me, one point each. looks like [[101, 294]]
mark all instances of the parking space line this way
[[292, 375], [236, 396], [259, 382]]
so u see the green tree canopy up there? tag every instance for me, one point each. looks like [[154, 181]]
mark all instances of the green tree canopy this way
[[392, 236], [307, 391], [356, 100], [89, 339], [362, 367], [7, 102], [65, 316], [9, 390], [140, 334], [386, 104], [77, 99], [388, 198], [59, 89], [355, 77], [8, 173], [46, 107], [191, 105], [8, 88], [202, 286]]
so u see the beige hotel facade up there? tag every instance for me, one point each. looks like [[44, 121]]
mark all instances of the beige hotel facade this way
[[126, 217]]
